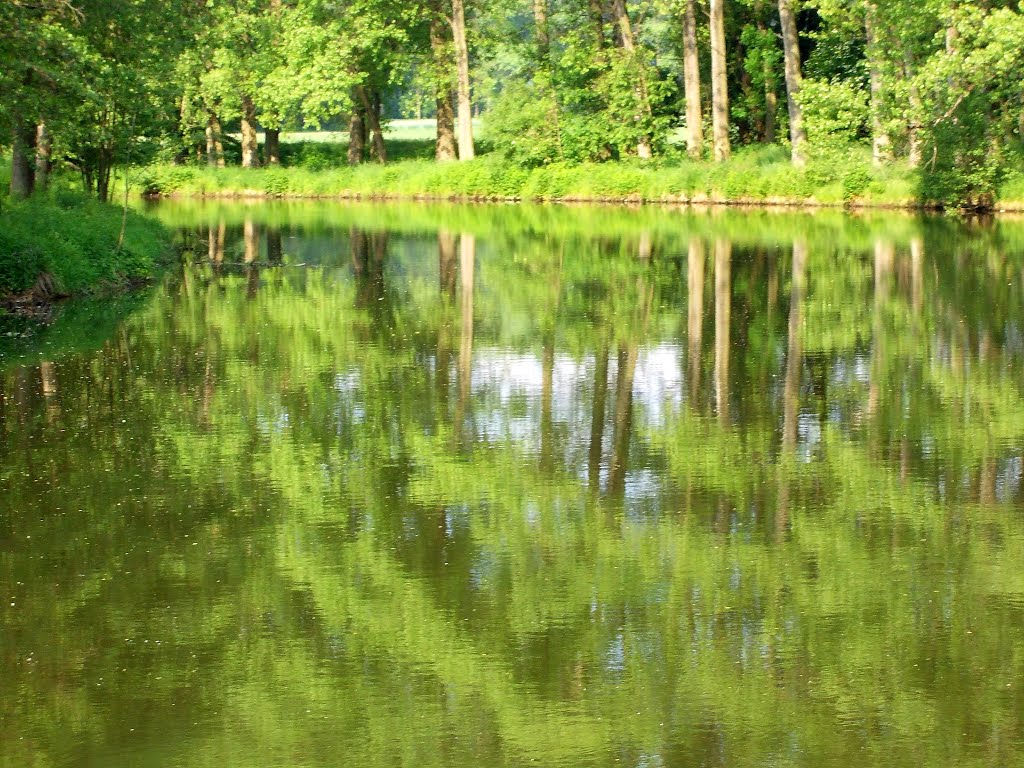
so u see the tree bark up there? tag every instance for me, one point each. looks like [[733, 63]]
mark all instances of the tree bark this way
[[44, 158], [356, 136], [791, 47], [719, 83], [881, 145], [916, 108], [691, 82], [272, 146], [250, 142], [466, 149], [445, 148], [597, 18], [22, 146], [370, 109], [214, 145]]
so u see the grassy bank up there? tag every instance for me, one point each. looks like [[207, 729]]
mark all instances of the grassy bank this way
[[762, 176], [64, 243]]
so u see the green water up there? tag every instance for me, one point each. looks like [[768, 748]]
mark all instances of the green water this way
[[453, 486]]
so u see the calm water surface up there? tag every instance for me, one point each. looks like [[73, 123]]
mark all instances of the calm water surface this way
[[443, 486]]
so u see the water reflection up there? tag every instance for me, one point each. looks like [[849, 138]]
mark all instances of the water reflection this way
[[638, 488]]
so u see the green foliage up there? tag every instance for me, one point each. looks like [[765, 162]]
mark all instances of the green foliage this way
[[835, 112], [74, 240]]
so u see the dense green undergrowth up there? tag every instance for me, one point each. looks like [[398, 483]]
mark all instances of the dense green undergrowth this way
[[755, 175], [73, 240]]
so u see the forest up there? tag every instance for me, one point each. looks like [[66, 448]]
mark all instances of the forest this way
[[847, 91]]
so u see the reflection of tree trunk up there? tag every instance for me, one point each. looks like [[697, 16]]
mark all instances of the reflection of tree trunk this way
[[719, 82], [917, 275], [723, 311], [987, 482], [547, 426], [275, 251], [467, 259], [252, 241], [48, 380], [695, 320], [794, 356], [691, 81], [448, 273], [884, 257], [216, 244], [597, 418], [623, 419], [623, 425]]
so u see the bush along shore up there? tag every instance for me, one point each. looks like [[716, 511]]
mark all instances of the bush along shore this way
[[754, 177], [63, 243]]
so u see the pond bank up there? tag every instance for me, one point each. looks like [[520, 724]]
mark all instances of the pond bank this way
[[744, 181], [65, 245]]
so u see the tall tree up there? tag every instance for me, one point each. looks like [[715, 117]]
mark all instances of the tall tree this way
[[719, 83], [458, 22], [691, 79], [791, 45]]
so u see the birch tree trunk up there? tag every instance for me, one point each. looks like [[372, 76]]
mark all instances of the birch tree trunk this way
[[791, 47], [691, 82], [719, 83], [466, 150]]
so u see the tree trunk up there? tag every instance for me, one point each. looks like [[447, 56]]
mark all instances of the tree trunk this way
[[250, 142], [916, 109], [445, 148], [771, 99], [356, 135], [214, 143], [466, 149], [881, 146], [597, 18], [540, 18], [691, 81], [791, 46], [22, 171], [643, 147], [370, 109], [272, 146], [44, 159], [719, 83], [104, 165]]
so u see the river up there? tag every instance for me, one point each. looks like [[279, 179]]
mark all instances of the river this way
[[381, 485]]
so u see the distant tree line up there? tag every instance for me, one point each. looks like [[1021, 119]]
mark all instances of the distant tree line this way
[[933, 84]]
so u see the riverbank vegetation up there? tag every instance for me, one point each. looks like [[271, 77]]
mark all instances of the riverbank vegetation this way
[[848, 99], [65, 243]]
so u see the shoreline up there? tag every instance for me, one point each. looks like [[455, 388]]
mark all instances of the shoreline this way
[[628, 200]]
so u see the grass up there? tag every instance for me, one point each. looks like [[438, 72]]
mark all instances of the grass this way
[[754, 175], [72, 240]]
